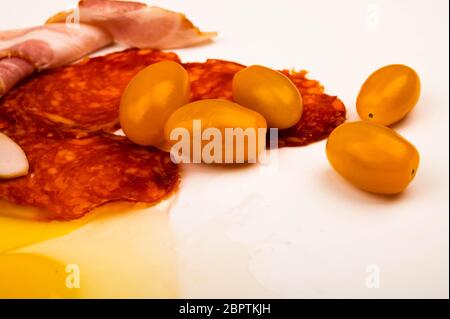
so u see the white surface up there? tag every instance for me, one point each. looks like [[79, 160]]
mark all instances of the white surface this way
[[299, 230]]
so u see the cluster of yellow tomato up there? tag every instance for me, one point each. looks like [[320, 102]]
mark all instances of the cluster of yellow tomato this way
[[156, 102], [369, 154]]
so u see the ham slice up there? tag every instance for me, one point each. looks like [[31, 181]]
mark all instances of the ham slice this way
[[138, 25]]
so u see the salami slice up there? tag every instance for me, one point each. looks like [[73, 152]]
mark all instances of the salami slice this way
[[84, 97], [69, 177]]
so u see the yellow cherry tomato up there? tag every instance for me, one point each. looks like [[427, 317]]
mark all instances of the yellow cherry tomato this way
[[269, 93], [212, 122], [150, 98], [372, 157], [388, 94]]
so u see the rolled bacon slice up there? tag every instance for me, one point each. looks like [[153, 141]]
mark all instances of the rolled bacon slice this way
[[12, 70], [52, 45], [23, 51], [137, 25]]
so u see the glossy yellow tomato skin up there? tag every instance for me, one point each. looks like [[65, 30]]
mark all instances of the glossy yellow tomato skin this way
[[372, 157], [150, 98], [269, 93], [219, 114], [388, 94]]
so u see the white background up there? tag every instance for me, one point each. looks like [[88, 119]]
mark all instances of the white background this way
[[298, 229]]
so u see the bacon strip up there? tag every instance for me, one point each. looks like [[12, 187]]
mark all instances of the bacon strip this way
[[137, 25], [49, 46], [52, 45]]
